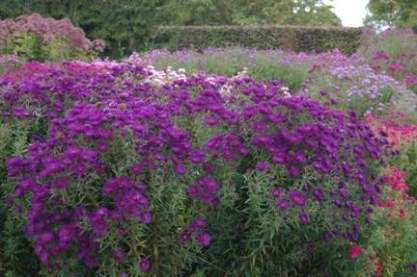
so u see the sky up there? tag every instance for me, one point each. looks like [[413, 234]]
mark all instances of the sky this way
[[351, 12]]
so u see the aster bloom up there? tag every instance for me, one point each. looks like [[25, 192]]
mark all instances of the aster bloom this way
[[204, 239], [304, 218], [277, 192], [297, 198], [318, 194], [205, 190], [119, 256], [145, 264], [262, 166], [196, 230], [283, 204]]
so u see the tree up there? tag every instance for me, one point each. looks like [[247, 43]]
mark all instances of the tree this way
[[400, 13], [301, 12], [242, 12]]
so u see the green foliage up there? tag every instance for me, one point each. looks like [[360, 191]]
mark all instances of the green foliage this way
[[402, 13], [407, 161], [25, 46], [16, 255], [243, 12], [29, 47], [261, 65], [391, 239], [129, 25], [300, 39]]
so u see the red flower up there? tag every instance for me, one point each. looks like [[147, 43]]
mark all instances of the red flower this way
[[399, 186], [390, 203], [402, 214], [355, 251], [379, 269]]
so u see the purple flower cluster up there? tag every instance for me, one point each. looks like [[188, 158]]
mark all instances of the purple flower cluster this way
[[292, 199], [196, 231], [110, 131], [129, 198], [205, 189]]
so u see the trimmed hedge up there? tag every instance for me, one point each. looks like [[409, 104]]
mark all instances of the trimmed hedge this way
[[299, 39]]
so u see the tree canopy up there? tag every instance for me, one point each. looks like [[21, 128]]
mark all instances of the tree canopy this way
[[399, 13]]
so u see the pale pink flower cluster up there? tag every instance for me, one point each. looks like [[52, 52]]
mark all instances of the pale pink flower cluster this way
[[48, 29]]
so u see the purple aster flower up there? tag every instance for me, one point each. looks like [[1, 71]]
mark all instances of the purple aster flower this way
[[204, 239], [318, 194], [277, 192], [297, 198], [185, 237], [262, 166], [304, 218], [283, 204], [145, 264], [119, 256]]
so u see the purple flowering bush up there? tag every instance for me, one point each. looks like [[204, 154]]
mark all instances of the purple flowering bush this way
[[125, 170], [360, 88], [345, 82]]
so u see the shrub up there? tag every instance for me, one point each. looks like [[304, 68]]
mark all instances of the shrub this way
[[33, 37], [350, 84], [299, 39], [131, 170]]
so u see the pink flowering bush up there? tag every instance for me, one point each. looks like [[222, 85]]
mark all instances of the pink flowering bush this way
[[393, 52], [33, 37], [121, 174], [9, 63]]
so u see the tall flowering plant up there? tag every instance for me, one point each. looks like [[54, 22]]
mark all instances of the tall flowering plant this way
[[126, 175], [33, 37]]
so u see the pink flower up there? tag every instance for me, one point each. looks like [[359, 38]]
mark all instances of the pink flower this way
[[381, 56], [396, 67], [355, 251], [410, 80], [379, 269], [402, 214], [399, 186]]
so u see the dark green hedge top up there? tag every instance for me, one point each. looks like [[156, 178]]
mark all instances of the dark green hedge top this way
[[295, 38]]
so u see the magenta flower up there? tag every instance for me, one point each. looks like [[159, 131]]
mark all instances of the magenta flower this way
[[145, 264], [304, 218], [283, 204], [204, 239], [297, 198]]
